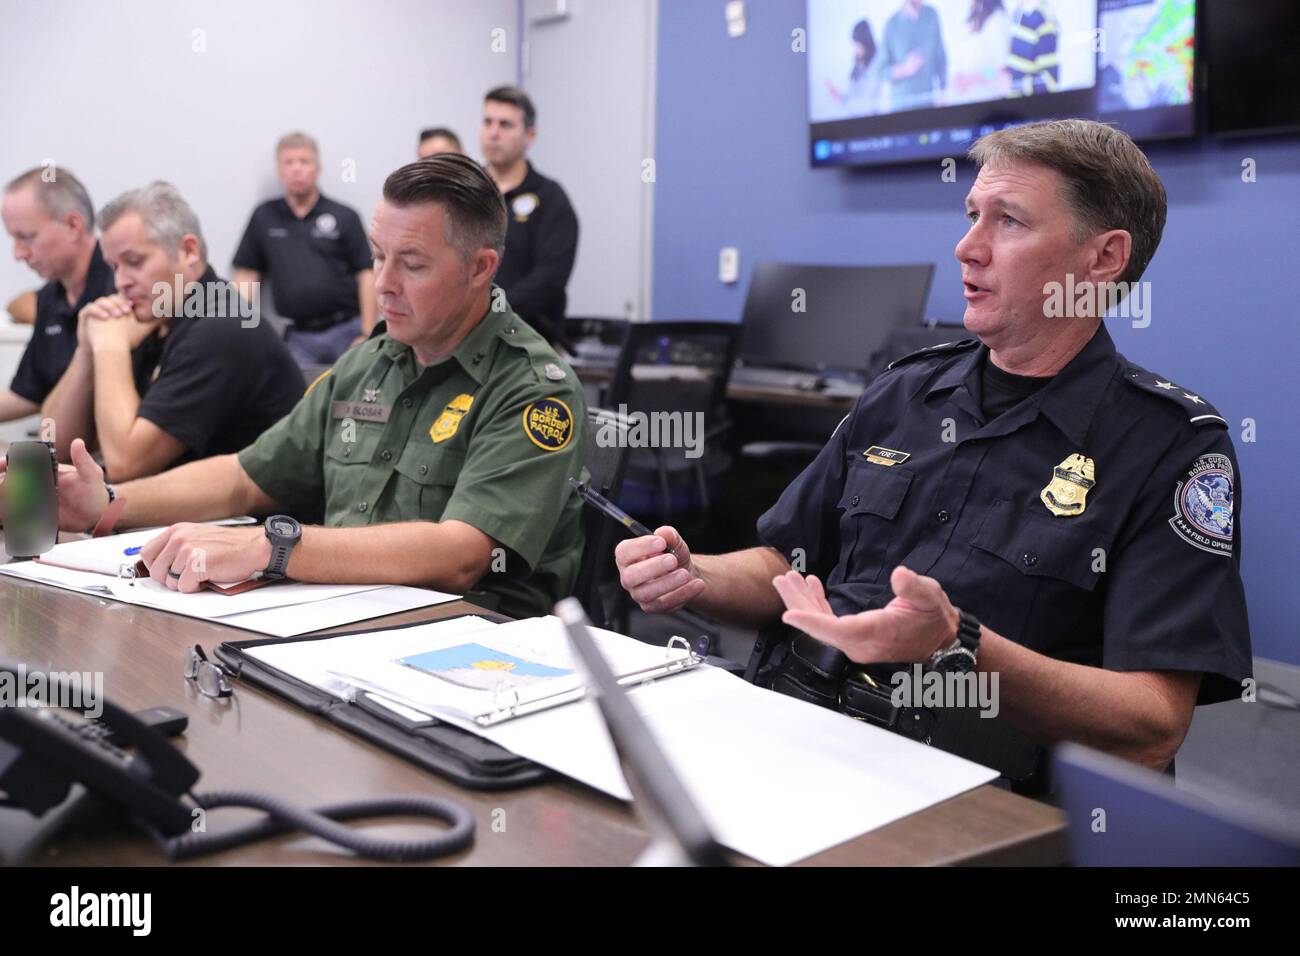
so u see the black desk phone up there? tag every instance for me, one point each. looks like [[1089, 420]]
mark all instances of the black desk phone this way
[[53, 758]]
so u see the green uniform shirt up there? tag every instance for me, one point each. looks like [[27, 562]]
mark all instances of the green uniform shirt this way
[[488, 436]]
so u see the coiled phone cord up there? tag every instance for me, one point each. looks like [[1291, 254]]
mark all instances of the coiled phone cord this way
[[322, 822]]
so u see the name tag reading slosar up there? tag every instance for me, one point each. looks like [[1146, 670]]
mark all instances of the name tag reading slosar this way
[[363, 411]]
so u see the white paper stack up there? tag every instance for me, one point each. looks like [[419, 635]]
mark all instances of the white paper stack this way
[[282, 609], [777, 779]]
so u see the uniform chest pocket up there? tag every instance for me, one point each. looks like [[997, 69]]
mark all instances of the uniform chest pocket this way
[[1039, 546], [1037, 576], [873, 495], [349, 448], [425, 478]]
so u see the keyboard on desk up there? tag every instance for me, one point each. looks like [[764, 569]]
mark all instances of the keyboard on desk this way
[[756, 376]]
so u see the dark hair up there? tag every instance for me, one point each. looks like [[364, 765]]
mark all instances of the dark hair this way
[[476, 213], [862, 34], [514, 96], [440, 131], [981, 10], [1107, 182]]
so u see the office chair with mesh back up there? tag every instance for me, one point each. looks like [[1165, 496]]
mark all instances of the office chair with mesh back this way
[[667, 369], [606, 466]]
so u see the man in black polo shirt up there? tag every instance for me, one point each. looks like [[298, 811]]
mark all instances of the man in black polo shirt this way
[[48, 214], [315, 253], [542, 229], [217, 376]]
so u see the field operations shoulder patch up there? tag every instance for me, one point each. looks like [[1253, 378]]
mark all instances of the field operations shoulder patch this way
[[548, 423], [1203, 505]]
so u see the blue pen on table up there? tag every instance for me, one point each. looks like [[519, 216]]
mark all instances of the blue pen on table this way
[[131, 552], [604, 505]]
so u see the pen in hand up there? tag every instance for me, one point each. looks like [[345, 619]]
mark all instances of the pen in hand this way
[[607, 507]]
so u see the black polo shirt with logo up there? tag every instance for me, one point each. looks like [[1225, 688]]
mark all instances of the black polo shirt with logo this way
[[541, 245], [54, 335], [217, 384], [312, 262]]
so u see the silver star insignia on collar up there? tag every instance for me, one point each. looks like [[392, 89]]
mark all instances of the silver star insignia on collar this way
[[1167, 386], [1194, 399]]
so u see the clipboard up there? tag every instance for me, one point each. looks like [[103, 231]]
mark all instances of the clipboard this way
[[446, 750]]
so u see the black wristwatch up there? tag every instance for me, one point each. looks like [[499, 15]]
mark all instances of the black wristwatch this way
[[962, 655], [283, 532]]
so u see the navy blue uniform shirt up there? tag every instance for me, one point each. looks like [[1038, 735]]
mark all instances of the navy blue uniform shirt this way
[[1097, 521]]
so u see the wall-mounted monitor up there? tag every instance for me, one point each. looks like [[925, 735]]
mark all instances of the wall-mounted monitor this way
[[899, 80]]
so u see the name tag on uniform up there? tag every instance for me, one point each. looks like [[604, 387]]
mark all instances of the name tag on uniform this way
[[885, 456], [365, 411]]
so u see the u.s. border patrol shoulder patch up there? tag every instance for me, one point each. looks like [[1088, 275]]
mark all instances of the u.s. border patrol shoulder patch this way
[[1203, 505], [548, 423]]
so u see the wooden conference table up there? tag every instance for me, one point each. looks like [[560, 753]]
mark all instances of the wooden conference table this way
[[256, 741]]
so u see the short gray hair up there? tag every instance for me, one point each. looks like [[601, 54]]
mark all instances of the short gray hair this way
[[58, 191], [167, 217], [1107, 181]]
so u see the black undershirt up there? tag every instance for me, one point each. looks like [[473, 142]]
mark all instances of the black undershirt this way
[[1002, 391]]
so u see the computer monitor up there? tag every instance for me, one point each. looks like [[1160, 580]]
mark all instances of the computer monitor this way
[[828, 318], [1124, 815]]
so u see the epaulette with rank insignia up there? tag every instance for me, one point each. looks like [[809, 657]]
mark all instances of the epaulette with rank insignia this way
[[945, 348], [540, 353], [1199, 411]]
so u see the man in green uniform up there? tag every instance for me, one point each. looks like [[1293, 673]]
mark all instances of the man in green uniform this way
[[436, 453]]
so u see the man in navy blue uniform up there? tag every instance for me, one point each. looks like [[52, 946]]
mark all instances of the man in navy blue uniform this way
[[1027, 503]]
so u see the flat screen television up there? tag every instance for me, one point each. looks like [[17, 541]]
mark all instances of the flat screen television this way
[[1251, 53], [900, 80]]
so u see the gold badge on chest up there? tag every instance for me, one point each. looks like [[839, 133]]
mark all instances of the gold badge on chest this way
[[1067, 493], [449, 420]]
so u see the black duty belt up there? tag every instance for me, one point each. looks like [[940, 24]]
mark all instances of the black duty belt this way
[[820, 674]]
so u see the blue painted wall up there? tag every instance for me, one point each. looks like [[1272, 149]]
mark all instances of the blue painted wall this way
[[732, 170]]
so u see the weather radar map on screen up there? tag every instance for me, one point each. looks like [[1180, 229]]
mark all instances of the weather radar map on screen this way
[[898, 80]]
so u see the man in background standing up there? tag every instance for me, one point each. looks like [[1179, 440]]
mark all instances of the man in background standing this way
[[438, 140], [542, 229], [315, 252]]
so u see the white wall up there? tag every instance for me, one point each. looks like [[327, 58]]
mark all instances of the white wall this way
[[117, 92], [591, 75]]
